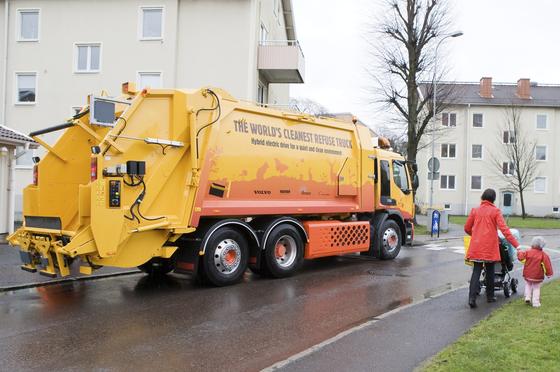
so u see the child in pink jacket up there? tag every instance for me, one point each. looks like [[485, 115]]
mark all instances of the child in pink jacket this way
[[537, 265]]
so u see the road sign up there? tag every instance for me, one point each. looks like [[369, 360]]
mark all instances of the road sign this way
[[433, 165], [435, 223]]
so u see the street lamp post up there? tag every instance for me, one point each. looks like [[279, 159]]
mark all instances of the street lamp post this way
[[434, 95]]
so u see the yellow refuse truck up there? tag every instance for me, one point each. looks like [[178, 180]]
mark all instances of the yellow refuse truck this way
[[198, 182]]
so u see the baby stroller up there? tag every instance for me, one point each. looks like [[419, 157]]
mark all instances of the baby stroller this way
[[502, 278]]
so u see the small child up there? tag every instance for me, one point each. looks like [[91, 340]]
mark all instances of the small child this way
[[537, 265]]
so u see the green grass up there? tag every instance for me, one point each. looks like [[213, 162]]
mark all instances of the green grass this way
[[516, 337], [518, 222], [421, 230]]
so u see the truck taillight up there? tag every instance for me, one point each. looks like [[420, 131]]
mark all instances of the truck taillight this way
[[35, 175], [93, 169]]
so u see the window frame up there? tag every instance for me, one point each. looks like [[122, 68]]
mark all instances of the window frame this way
[[472, 122], [17, 102], [448, 150], [139, 73], [481, 183], [511, 169], [263, 27], [481, 151], [141, 9], [545, 185], [537, 121], [449, 113], [545, 153], [88, 44], [447, 182], [25, 166], [512, 138], [18, 23]]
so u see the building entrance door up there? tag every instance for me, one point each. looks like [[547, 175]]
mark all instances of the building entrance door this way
[[507, 203]]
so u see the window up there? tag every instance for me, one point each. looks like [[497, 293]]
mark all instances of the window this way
[[448, 150], [151, 23], [540, 152], [262, 94], [264, 34], [508, 168], [555, 210], [447, 206], [476, 182], [399, 176], [149, 80], [540, 185], [385, 183], [28, 25], [24, 158], [477, 120], [26, 87], [508, 136], [88, 58], [476, 152], [508, 199], [447, 182], [449, 119], [542, 121]]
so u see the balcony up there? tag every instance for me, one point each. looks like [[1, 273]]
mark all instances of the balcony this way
[[281, 62]]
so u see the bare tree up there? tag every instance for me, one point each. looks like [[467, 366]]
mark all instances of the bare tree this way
[[514, 159], [308, 106], [404, 46]]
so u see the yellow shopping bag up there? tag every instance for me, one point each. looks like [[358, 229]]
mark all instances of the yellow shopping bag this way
[[467, 243]]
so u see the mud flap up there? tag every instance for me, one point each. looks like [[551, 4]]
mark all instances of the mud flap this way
[[188, 260]]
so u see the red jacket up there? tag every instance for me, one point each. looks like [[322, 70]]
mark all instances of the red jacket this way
[[534, 260], [483, 224]]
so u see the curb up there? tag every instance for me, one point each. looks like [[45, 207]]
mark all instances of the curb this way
[[67, 280]]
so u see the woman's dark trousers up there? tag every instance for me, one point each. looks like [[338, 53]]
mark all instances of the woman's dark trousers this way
[[475, 279]]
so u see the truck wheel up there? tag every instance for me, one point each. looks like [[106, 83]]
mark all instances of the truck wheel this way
[[283, 253], [158, 266], [389, 240], [226, 257]]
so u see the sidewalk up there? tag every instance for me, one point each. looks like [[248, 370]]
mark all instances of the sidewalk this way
[[405, 337]]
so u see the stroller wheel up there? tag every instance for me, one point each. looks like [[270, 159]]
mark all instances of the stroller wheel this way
[[506, 289], [513, 285]]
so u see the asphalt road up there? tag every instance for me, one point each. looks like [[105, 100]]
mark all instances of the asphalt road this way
[[134, 322]]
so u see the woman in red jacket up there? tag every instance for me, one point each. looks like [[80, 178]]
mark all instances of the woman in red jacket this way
[[482, 225]]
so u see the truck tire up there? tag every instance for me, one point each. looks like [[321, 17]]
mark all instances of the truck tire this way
[[283, 253], [226, 256], [389, 240], [158, 266]]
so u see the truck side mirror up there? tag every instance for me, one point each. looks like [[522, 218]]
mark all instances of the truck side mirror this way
[[415, 167], [415, 181]]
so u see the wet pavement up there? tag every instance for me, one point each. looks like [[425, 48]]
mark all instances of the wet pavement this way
[[12, 276], [135, 322]]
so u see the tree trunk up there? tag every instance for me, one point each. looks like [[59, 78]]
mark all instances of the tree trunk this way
[[523, 214]]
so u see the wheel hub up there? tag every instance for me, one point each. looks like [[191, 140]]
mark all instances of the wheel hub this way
[[227, 256], [285, 251], [390, 239]]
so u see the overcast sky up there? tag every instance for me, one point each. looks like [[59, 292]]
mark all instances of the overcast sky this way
[[504, 39]]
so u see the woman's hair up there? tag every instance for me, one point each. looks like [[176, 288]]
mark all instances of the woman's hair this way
[[489, 195], [539, 242]]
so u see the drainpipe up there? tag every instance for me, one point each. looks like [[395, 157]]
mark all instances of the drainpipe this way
[[11, 189], [467, 160], [5, 57]]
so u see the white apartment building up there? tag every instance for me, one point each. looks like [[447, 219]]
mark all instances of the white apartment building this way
[[56, 52], [473, 137]]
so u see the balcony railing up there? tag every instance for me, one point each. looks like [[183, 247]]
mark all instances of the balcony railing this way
[[281, 61]]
